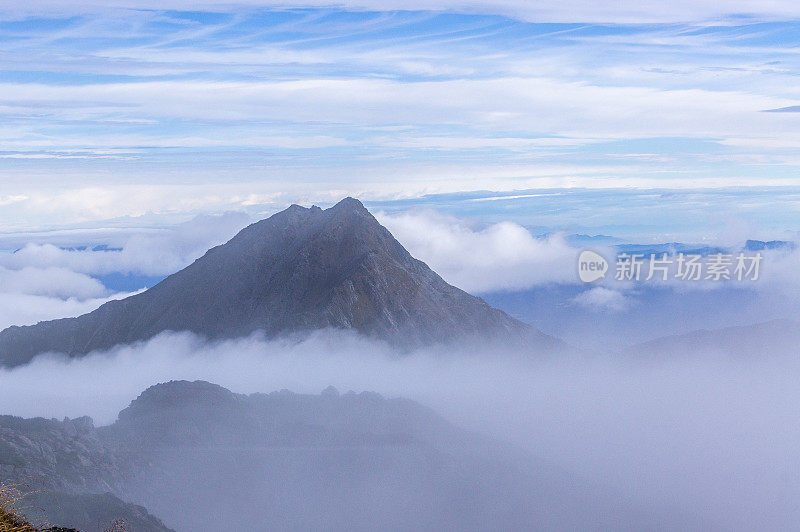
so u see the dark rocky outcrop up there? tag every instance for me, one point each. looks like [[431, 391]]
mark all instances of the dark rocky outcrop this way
[[67, 472], [57, 455]]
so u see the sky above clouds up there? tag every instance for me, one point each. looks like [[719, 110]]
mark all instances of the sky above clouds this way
[[142, 113]]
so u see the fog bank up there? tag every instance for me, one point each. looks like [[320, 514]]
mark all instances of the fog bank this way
[[705, 435]]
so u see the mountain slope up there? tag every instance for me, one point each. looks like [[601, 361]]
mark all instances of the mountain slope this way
[[299, 270], [66, 473], [203, 458]]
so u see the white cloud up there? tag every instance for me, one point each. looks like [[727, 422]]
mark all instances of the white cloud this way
[[27, 309], [43, 281], [122, 145], [562, 108], [50, 281], [8, 200], [150, 253], [460, 143], [502, 256], [42, 292], [627, 11], [602, 299], [621, 426], [780, 271], [508, 106]]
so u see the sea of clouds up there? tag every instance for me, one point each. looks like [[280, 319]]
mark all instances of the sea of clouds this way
[[705, 435]]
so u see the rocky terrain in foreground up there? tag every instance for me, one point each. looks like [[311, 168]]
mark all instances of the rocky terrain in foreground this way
[[69, 474]]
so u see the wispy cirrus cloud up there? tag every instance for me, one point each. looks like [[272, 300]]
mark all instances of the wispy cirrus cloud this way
[[790, 109], [625, 12], [319, 103]]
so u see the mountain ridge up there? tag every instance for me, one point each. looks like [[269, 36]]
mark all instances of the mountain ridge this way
[[204, 458], [299, 270], [741, 341]]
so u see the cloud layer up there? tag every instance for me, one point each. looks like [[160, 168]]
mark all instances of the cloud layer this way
[[114, 112], [154, 253], [43, 281], [503, 256], [625, 12], [704, 438]]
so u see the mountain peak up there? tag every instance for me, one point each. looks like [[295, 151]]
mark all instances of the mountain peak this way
[[299, 270], [350, 204], [177, 394]]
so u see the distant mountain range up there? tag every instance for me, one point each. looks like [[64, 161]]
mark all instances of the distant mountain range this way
[[758, 340], [299, 270], [672, 248]]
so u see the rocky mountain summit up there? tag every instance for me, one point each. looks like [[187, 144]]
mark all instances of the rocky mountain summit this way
[[302, 269]]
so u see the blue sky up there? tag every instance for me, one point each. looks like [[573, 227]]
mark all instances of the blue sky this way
[[138, 116]]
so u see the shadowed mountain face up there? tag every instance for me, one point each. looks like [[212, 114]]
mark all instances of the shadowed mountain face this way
[[299, 270], [66, 473], [205, 459]]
